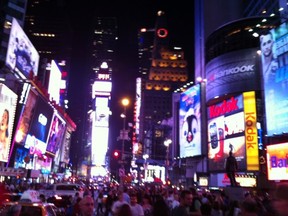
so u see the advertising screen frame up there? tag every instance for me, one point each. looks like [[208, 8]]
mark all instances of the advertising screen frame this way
[[190, 122], [274, 67], [8, 104], [56, 134], [21, 54], [37, 136], [277, 166]]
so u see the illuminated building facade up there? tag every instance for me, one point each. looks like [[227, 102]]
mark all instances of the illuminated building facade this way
[[167, 71], [101, 66]]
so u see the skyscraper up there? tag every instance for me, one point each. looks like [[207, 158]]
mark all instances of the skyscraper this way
[[167, 72]]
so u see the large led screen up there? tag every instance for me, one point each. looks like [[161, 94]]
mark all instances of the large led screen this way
[[56, 134], [190, 122], [277, 165], [21, 54], [26, 117], [274, 54], [8, 101], [37, 136], [54, 82]]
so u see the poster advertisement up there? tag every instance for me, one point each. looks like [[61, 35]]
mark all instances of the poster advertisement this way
[[8, 102], [190, 122], [21, 54]]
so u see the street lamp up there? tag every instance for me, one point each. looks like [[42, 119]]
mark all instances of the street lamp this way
[[145, 157], [123, 134], [167, 143]]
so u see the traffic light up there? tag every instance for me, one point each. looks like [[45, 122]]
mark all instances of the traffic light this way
[[116, 154]]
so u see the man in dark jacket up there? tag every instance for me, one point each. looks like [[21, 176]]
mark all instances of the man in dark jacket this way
[[231, 168]]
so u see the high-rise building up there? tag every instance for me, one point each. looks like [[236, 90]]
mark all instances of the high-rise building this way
[[208, 19], [51, 35], [162, 70], [103, 35]]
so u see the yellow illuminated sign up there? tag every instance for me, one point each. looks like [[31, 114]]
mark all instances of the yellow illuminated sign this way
[[251, 135]]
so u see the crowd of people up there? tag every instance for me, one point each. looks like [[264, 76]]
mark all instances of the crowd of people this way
[[162, 201], [151, 201]]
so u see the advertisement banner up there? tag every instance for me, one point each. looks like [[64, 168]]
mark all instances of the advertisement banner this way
[[190, 122], [251, 133], [26, 117], [8, 102], [21, 54], [274, 54], [233, 72], [226, 133], [36, 140], [56, 134], [277, 165]]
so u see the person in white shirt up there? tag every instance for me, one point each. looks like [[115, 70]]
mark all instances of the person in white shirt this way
[[136, 208], [117, 204]]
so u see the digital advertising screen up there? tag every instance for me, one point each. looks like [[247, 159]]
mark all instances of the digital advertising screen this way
[[8, 103], [21, 54], [274, 54], [232, 127], [25, 118], [56, 134], [226, 128], [190, 122], [54, 82], [277, 165], [36, 140]]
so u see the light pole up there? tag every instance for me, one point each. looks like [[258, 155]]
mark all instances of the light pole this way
[[123, 135], [145, 157], [167, 143]]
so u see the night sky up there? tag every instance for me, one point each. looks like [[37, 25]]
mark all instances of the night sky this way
[[131, 17]]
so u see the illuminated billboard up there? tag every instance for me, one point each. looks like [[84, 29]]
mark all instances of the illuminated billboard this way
[[274, 54], [277, 165], [8, 102], [36, 140], [26, 117], [232, 127], [54, 82], [233, 72], [21, 54], [56, 134], [101, 86], [190, 122]]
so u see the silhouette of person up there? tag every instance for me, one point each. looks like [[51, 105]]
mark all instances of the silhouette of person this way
[[231, 167]]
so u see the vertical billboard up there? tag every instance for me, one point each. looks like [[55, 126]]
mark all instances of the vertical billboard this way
[[56, 134], [26, 117], [21, 54], [190, 122], [274, 54], [232, 127], [36, 140], [277, 164], [54, 83], [8, 101]]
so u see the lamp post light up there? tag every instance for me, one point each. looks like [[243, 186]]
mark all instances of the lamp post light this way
[[145, 157], [123, 135], [167, 143]]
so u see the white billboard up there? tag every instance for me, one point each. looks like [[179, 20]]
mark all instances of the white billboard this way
[[21, 54]]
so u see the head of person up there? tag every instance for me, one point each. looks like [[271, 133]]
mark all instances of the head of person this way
[[266, 42], [87, 205], [5, 122], [281, 198], [125, 210], [186, 198], [133, 199]]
